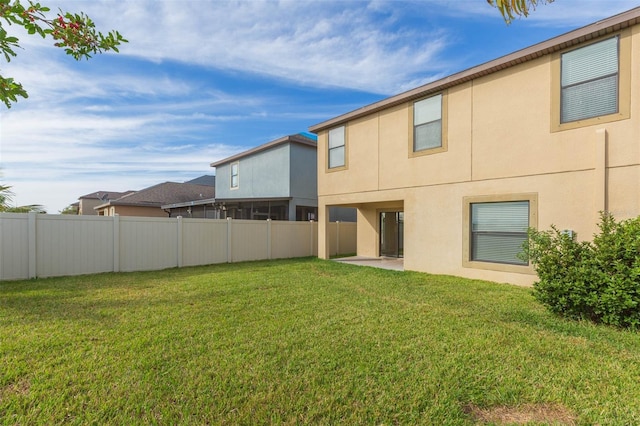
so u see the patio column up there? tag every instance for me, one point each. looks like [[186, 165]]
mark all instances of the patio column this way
[[323, 230]]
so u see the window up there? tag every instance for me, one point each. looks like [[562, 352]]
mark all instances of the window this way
[[427, 123], [589, 81], [234, 175], [498, 231], [337, 143], [494, 229]]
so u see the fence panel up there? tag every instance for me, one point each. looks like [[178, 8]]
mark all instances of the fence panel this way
[[249, 240], [148, 244], [292, 239], [14, 246], [69, 245], [204, 241], [34, 245]]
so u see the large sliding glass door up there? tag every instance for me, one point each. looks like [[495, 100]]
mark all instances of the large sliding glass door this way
[[392, 234]]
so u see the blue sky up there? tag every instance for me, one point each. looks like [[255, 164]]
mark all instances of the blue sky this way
[[202, 80]]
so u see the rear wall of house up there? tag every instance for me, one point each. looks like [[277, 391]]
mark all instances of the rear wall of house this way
[[262, 175], [501, 141]]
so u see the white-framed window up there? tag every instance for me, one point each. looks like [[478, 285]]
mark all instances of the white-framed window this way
[[337, 148], [589, 79], [427, 123], [498, 230], [235, 175]]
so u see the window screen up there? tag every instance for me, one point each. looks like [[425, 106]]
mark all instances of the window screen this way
[[589, 80], [427, 123], [498, 231]]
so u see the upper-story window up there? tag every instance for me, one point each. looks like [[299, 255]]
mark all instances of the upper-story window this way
[[337, 145], [589, 81], [234, 175], [427, 124]]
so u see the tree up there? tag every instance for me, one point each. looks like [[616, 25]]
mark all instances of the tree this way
[[510, 9], [6, 197], [73, 32], [71, 209]]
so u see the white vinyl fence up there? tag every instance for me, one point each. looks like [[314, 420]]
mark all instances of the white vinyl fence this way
[[38, 245]]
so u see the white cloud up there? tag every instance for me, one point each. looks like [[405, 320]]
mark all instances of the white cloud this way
[[327, 43], [98, 126], [350, 44]]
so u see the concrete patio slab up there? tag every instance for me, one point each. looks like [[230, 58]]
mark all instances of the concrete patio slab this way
[[392, 263]]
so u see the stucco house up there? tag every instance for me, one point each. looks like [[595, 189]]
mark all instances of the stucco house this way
[[451, 174], [148, 202], [87, 203], [276, 180]]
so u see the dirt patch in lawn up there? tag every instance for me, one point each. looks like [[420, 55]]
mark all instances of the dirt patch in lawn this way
[[522, 414], [21, 387]]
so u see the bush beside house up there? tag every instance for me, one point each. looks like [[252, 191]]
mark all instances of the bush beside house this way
[[597, 281]]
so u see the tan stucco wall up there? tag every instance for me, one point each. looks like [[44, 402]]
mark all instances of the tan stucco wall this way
[[134, 211], [86, 206], [499, 141]]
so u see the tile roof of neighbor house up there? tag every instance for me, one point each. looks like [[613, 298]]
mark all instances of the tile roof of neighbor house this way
[[204, 180], [164, 193], [298, 138], [105, 195], [572, 38]]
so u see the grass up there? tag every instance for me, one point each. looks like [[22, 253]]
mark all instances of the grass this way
[[298, 342]]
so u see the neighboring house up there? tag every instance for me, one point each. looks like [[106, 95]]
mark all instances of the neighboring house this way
[[88, 203], [451, 174], [276, 180], [149, 201], [202, 208]]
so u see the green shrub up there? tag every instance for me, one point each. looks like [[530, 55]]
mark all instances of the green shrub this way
[[597, 281]]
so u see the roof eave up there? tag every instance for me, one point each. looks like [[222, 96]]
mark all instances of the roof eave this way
[[189, 203], [299, 139], [249, 199], [580, 35]]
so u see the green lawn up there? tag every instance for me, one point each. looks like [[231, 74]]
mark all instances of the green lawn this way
[[299, 342]]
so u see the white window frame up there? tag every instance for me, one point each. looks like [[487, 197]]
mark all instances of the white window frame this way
[[624, 86], [427, 112], [336, 147], [500, 228], [571, 79], [468, 202], [234, 175]]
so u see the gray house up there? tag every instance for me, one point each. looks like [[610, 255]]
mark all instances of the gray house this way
[[276, 180]]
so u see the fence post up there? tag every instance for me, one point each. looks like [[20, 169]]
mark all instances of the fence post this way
[[33, 259], [1, 249], [229, 247], [311, 238], [180, 242], [116, 243], [269, 239], [337, 237]]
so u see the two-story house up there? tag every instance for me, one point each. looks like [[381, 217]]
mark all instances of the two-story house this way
[[276, 180], [451, 174]]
